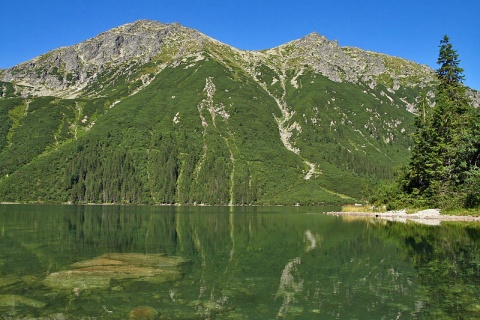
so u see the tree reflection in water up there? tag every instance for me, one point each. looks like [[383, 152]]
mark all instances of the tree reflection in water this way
[[246, 263]]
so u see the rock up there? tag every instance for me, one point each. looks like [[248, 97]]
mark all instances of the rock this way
[[96, 262], [8, 280], [78, 280], [12, 300], [117, 288], [162, 276], [100, 276], [69, 69], [30, 280], [100, 271], [143, 313], [153, 260]]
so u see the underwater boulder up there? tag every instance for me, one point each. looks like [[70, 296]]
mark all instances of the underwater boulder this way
[[12, 300], [100, 271], [143, 313]]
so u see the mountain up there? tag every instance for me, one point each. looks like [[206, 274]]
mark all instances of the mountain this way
[[160, 113]]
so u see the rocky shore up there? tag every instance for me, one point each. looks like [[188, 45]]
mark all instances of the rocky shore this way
[[429, 216]]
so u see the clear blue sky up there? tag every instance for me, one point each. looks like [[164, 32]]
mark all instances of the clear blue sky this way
[[407, 29]]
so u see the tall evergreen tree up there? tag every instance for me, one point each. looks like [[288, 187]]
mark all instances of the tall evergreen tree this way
[[450, 74], [446, 147]]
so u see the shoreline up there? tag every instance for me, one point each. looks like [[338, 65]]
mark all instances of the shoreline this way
[[429, 216]]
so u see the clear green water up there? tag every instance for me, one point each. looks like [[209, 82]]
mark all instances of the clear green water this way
[[244, 263]]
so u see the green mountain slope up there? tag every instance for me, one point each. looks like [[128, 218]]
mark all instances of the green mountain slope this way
[[153, 113]]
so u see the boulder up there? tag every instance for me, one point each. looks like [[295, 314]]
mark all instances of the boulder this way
[[143, 313], [8, 281], [151, 260], [12, 300], [100, 271]]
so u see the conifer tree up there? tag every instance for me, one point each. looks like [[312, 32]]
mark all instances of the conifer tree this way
[[445, 153]]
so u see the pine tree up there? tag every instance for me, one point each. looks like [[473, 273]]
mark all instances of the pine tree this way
[[445, 153], [420, 173], [450, 74], [452, 117]]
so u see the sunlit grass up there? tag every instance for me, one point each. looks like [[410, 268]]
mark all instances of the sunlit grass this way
[[462, 212], [361, 208]]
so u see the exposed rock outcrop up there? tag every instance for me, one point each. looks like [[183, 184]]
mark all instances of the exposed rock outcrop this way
[[66, 71]]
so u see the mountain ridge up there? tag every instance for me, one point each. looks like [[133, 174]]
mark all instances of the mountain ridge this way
[[160, 113], [117, 44]]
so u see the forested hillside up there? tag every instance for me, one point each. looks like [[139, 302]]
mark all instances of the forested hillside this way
[[162, 114]]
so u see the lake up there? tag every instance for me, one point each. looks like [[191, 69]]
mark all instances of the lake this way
[[142, 262]]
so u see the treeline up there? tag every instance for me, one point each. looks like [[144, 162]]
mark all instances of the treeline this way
[[165, 173], [96, 176], [359, 164]]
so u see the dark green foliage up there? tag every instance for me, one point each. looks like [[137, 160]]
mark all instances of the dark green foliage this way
[[202, 132], [7, 90], [443, 169], [32, 127], [354, 132], [471, 189], [33, 134], [98, 175], [6, 107], [450, 74], [164, 168]]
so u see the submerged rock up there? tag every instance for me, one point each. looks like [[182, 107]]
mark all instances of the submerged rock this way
[[12, 300], [78, 280], [100, 271], [96, 262], [8, 280], [148, 260], [30, 280], [143, 313], [136, 259]]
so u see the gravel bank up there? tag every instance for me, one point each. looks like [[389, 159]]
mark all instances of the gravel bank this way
[[429, 216]]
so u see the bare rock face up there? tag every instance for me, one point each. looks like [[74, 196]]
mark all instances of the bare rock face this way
[[138, 40], [474, 96], [73, 67], [348, 64], [66, 71]]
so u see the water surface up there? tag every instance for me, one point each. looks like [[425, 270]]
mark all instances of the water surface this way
[[239, 263]]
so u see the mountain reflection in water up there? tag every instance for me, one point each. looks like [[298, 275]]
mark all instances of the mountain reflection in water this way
[[231, 263]]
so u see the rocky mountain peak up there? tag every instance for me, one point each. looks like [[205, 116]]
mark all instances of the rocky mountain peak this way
[[68, 69], [140, 25], [315, 38], [349, 64]]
